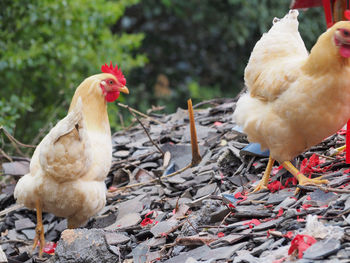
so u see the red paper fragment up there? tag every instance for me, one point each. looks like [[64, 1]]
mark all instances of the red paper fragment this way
[[293, 180], [308, 197], [275, 186], [279, 260], [275, 170], [289, 234], [240, 195], [280, 212], [252, 222], [146, 221], [50, 248], [221, 234], [217, 123], [231, 205], [301, 243], [149, 213], [305, 206]]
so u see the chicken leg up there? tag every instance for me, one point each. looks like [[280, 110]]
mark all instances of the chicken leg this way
[[302, 179], [39, 235], [265, 179]]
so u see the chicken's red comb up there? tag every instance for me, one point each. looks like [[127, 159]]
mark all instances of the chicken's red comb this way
[[115, 71]]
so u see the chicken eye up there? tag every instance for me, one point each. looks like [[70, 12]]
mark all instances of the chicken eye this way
[[110, 82], [346, 33]]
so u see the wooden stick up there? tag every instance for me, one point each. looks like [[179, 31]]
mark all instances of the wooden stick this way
[[196, 157]]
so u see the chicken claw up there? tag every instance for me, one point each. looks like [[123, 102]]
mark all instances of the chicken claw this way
[[39, 230], [265, 179], [302, 179]]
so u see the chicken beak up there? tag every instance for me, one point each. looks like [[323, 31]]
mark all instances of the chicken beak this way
[[124, 90]]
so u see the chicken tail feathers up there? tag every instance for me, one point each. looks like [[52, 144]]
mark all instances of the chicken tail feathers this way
[[64, 152]]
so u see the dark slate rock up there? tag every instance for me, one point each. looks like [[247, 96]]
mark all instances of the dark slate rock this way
[[83, 246], [114, 238], [278, 197], [322, 249], [24, 223]]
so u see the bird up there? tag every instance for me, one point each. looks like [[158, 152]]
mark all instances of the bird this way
[[295, 99], [70, 164]]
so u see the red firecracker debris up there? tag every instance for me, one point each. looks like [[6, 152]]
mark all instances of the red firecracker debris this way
[[305, 206], [309, 166], [50, 248], [289, 234], [252, 222], [221, 234], [230, 205], [280, 212], [275, 170], [301, 243], [279, 260], [240, 195], [146, 221], [293, 180], [275, 186]]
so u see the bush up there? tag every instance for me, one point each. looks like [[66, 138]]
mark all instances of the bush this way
[[47, 48], [205, 42]]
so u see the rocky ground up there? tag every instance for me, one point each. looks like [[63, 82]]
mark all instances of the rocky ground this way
[[202, 214]]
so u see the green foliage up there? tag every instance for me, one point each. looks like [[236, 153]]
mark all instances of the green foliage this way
[[205, 42], [12, 110], [48, 47]]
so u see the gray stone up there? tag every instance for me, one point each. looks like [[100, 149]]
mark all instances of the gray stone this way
[[113, 238], [322, 249], [126, 221], [206, 190], [83, 246], [24, 223], [163, 227], [279, 196], [268, 224]]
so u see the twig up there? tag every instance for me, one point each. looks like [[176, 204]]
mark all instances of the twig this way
[[121, 120], [149, 136], [15, 142], [10, 209], [13, 139], [26, 242], [5, 155], [214, 102], [139, 113], [325, 189], [175, 227], [223, 220]]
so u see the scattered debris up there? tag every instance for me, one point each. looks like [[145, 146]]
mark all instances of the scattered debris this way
[[165, 206]]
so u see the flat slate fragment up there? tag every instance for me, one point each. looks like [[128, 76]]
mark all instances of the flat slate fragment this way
[[322, 249], [83, 246]]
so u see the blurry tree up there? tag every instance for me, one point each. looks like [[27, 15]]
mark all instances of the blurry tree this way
[[203, 46], [47, 48]]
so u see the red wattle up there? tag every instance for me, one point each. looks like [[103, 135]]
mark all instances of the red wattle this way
[[112, 96], [345, 51]]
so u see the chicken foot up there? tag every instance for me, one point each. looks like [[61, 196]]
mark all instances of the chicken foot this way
[[302, 179], [39, 230], [265, 179]]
